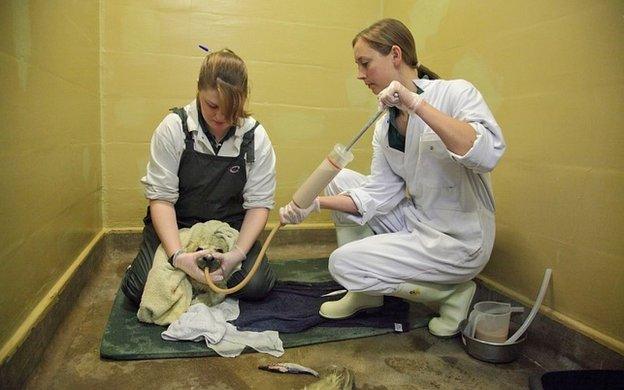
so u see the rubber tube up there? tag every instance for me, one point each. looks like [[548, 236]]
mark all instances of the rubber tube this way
[[337, 159], [251, 272]]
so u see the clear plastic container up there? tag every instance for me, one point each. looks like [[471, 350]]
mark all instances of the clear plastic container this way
[[490, 321]]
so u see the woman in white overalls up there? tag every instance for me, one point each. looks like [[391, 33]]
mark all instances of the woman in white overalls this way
[[426, 211]]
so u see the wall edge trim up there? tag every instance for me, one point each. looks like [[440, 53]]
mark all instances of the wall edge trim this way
[[23, 330]]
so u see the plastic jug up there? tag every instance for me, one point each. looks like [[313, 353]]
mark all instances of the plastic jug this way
[[490, 321]]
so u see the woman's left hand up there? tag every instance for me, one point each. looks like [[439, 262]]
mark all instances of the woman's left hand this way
[[396, 95], [292, 214], [229, 261]]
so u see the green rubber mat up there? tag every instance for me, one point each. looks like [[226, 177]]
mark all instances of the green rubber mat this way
[[125, 338]]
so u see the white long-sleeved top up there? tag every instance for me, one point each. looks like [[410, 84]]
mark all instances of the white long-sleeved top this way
[[167, 144], [451, 194]]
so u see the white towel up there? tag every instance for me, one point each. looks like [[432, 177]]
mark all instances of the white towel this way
[[210, 324]]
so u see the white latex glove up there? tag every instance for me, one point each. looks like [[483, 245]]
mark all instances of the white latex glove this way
[[229, 261], [291, 214], [396, 95], [187, 262]]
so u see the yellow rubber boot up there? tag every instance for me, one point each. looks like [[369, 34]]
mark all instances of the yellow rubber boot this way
[[350, 304], [454, 301]]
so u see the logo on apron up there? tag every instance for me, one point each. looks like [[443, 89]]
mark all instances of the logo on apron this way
[[234, 169]]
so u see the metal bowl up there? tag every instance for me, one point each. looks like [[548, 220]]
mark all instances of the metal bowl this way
[[491, 352]]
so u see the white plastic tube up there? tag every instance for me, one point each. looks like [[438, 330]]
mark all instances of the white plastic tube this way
[[534, 310], [329, 168], [337, 159]]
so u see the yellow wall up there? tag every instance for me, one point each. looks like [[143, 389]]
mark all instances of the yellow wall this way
[[552, 73], [50, 169], [302, 74]]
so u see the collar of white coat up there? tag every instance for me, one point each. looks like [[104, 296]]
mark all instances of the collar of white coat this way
[[193, 120], [421, 83]]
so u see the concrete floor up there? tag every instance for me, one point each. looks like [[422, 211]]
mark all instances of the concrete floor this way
[[414, 360]]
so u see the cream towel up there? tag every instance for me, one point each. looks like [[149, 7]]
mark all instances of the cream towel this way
[[168, 291]]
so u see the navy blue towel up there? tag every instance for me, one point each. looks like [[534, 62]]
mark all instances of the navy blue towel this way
[[292, 307]]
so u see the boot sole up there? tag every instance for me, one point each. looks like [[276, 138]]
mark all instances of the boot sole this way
[[371, 309], [444, 336]]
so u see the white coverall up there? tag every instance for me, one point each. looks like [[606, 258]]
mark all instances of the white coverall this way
[[432, 210]]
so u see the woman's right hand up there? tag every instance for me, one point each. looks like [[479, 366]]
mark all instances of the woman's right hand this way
[[187, 262], [396, 95]]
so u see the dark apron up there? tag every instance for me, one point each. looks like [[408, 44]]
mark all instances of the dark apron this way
[[210, 188]]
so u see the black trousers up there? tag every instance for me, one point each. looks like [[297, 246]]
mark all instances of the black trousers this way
[[136, 276]]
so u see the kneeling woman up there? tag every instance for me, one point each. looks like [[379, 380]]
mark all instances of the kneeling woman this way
[[209, 161], [428, 199]]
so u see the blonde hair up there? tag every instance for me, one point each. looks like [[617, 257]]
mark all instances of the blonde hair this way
[[384, 34], [226, 73]]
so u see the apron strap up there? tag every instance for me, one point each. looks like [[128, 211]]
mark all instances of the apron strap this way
[[247, 146], [183, 117]]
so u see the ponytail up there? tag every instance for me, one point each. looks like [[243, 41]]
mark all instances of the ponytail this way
[[426, 73], [384, 34]]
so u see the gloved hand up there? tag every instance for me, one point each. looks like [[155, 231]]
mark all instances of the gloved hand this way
[[396, 95], [291, 214], [187, 262], [229, 261]]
